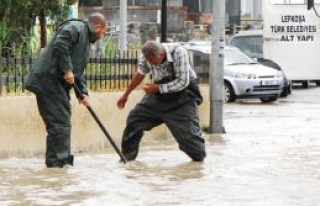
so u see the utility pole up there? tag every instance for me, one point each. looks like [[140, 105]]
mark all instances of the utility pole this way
[[310, 4], [164, 9], [217, 66], [123, 27]]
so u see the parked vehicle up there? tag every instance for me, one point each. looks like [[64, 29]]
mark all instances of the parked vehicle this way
[[251, 43], [291, 38], [243, 76]]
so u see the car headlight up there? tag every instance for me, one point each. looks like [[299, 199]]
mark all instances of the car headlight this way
[[280, 74], [246, 76]]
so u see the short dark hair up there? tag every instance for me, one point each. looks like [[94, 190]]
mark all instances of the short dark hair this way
[[97, 18]]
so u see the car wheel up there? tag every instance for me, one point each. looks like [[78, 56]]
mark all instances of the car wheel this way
[[290, 88], [229, 95], [318, 83], [286, 91], [305, 84], [268, 99]]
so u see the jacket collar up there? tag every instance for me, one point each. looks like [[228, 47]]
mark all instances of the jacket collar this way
[[168, 50], [89, 26]]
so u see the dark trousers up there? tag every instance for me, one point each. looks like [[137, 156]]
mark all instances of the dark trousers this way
[[54, 108], [180, 116]]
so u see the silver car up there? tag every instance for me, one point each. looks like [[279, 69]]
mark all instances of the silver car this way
[[251, 43], [243, 76]]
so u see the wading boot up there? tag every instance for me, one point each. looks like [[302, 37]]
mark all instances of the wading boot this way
[[70, 160], [55, 165], [61, 163]]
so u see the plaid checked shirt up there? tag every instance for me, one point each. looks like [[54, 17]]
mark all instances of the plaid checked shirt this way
[[181, 68]]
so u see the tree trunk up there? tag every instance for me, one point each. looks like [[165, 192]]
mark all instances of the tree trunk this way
[[43, 29]]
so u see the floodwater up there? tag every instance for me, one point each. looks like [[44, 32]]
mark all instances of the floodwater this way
[[270, 156]]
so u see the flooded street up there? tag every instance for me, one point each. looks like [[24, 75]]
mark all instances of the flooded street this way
[[270, 156]]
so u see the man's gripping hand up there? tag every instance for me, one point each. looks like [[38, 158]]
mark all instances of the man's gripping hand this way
[[69, 77]]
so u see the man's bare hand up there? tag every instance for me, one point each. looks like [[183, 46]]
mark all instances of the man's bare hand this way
[[69, 77], [121, 103], [151, 88], [84, 101]]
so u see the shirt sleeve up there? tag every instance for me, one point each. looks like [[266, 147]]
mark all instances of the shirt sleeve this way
[[143, 66], [181, 66], [64, 41]]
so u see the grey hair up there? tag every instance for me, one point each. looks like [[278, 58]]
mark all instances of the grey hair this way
[[151, 48]]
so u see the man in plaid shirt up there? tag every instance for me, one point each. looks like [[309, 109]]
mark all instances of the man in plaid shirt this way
[[172, 98]]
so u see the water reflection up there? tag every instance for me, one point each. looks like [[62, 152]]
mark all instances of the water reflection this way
[[215, 138], [97, 178], [174, 173], [28, 182]]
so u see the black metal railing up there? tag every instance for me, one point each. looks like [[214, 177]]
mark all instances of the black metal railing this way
[[101, 74], [111, 73], [13, 73]]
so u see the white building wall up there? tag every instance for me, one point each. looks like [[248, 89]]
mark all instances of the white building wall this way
[[251, 7]]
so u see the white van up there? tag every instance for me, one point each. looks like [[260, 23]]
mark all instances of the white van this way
[[291, 37]]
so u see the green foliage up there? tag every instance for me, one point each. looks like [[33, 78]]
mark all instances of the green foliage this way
[[110, 46], [136, 46], [4, 36], [19, 16], [4, 32], [205, 128], [29, 46]]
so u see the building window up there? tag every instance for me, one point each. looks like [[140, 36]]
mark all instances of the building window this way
[[154, 2], [90, 2], [175, 2], [292, 1], [147, 2]]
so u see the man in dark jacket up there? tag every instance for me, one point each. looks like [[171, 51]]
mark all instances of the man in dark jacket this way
[[172, 98], [60, 65]]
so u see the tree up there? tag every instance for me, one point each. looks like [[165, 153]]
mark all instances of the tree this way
[[19, 16]]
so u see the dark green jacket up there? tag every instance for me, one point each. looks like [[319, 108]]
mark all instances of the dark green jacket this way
[[68, 50]]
